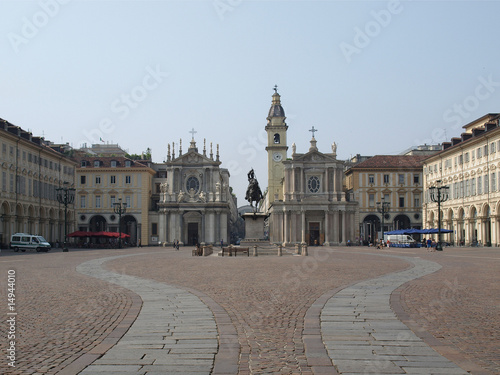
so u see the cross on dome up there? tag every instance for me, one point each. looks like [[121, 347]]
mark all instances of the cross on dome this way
[[313, 130], [193, 132], [276, 88]]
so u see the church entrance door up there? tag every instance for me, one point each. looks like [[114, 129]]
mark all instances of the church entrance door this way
[[192, 233], [314, 238]]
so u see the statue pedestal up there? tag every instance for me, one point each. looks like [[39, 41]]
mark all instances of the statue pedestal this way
[[254, 229]]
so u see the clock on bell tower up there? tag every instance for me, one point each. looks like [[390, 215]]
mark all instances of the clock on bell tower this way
[[276, 148]]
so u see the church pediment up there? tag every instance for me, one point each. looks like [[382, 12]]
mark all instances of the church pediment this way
[[194, 158], [314, 156]]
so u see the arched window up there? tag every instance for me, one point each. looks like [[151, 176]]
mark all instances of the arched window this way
[[276, 138]]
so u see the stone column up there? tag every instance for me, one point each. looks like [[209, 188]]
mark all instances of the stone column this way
[[336, 239], [494, 231], [285, 228], [163, 228], [209, 228], [203, 219], [223, 228], [181, 228], [327, 228], [343, 227], [303, 227]]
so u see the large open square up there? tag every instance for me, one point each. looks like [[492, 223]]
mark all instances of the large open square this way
[[345, 310]]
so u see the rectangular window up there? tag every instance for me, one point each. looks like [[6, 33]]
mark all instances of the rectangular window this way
[[4, 181], [461, 189], [467, 188], [416, 179], [97, 163], [493, 148], [479, 153], [128, 200], [460, 159], [11, 183], [473, 155], [416, 200], [486, 183], [113, 179], [371, 200], [493, 181], [97, 201], [401, 179], [83, 180], [112, 200], [485, 150], [401, 201], [128, 179], [154, 229], [387, 198], [113, 163], [83, 201], [473, 186], [371, 179], [97, 180], [466, 157], [386, 179], [479, 185]]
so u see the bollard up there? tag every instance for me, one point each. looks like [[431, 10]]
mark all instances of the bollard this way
[[255, 251], [280, 250], [297, 248], [304, 250]]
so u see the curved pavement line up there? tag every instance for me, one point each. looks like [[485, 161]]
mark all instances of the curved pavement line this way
[[175, 331], [362, 335]]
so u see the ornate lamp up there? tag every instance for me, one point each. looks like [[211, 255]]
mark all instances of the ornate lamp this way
[[439, 194]]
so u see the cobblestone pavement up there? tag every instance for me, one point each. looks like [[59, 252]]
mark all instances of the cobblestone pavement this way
[[272, 305], [61, 314]]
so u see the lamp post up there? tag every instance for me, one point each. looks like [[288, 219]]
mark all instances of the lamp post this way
[[383, 208], [120, 208], [65, 195], [439, 194]]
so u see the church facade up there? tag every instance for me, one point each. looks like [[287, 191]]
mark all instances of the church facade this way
[[305, 198], [194, 201]]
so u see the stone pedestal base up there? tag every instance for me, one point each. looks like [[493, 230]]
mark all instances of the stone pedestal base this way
[[254, 228]]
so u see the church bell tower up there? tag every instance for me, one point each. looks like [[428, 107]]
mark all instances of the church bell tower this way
[[276, 148]]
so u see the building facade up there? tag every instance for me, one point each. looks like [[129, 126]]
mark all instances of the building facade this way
[[103, 180], [469, 166], [31, 171], [396, 179], [192, 198], [305, 199]]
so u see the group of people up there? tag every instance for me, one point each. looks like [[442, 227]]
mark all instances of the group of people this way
[[430, 244]]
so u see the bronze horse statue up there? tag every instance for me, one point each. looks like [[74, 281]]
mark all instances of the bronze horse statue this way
[[254, 194]]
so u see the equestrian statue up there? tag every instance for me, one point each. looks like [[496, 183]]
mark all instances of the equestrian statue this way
[[254, 194]]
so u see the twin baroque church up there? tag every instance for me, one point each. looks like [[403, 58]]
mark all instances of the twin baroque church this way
[[195, 202], [305, 199]]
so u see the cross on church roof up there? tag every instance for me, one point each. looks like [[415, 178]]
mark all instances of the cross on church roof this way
[[313, 130], [276, 88], [193, 132]]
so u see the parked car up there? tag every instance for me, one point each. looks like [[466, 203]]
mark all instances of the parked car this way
[[23, 242]]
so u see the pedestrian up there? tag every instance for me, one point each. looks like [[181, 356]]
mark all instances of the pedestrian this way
[[221, 243], [173, 243], [429, 244], [139, 243], [177, 245]]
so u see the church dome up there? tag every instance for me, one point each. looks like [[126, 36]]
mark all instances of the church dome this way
[[276, 109]]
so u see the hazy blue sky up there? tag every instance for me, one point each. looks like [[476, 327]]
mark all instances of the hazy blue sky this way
[[376, 77]]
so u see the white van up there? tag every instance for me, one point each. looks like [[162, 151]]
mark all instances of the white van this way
[[23, 242], [399, 238]]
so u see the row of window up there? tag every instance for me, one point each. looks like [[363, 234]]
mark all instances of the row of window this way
[[401, 178], [471, 187], [100, 163], [112, 179], [32, 158], [98, 201], [401, 200], [465, 157], [28, 186]]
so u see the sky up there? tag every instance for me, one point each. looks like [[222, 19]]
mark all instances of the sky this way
[[375, 77]]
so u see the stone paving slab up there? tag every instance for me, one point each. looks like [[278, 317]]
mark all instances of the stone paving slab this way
[[384, 345], [175, 330]]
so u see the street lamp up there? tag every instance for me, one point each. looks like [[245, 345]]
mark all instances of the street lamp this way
[[439, 194], [383, 208], [65, 196], [120, 208]]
